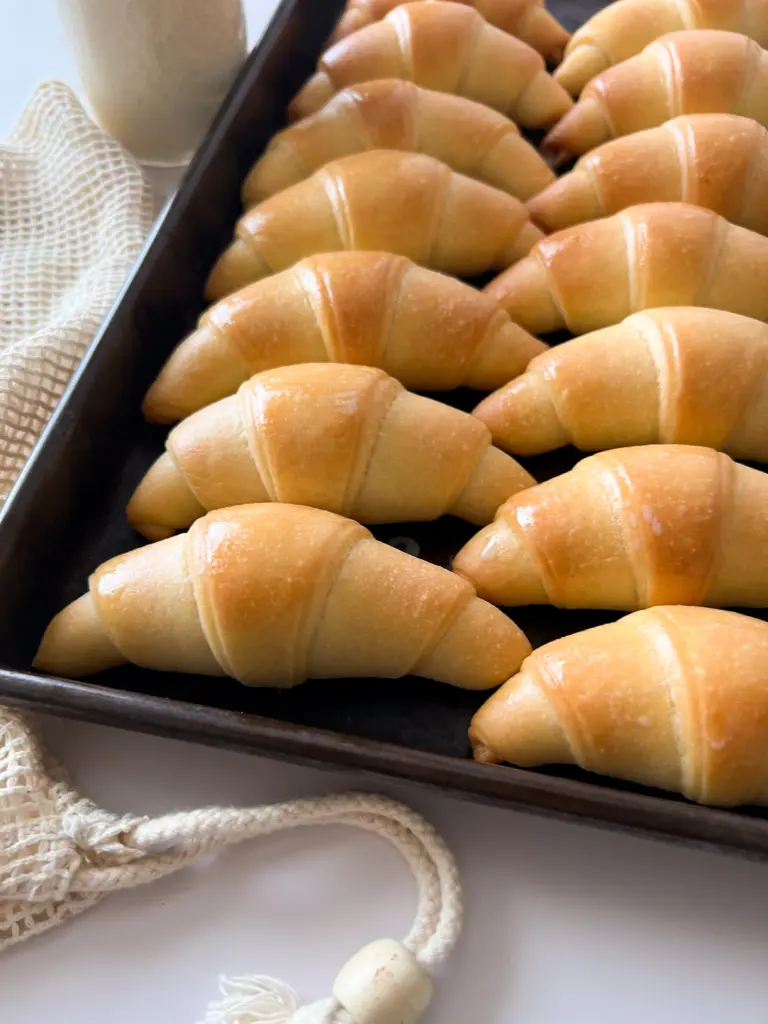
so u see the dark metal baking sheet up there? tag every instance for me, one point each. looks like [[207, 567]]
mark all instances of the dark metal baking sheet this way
[[66, 515]]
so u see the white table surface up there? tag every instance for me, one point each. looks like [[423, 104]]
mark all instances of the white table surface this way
[[565, 924]]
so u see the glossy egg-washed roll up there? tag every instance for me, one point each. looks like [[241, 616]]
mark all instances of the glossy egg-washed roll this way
[[528, 20], [392, 114], [383, 200], [674, 697], [275, 594], [624, 28], [627, 529], [430, 331], [444, 46], [683, 73], [718, 161], [681, 375], [349, 439], [660, 254]]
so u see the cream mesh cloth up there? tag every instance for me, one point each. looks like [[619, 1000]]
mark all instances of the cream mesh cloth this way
[[75, 209], [74, 212]]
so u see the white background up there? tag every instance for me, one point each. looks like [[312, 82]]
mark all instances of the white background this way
[[564, 925]]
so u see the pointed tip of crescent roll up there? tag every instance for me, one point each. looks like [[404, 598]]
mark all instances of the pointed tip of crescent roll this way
[[543, 103], [525, 239], [514, 166], [505, 354], [277, 169], [163, 502], [521, 417], [499, 568], [314, 95], [76, 643], [237, 267], [481, 649], [350, 21], [495, 479], [570, 200], [517, 724], [544, 33], [201, 370], [523, 292], [579, 66], [582, 129]]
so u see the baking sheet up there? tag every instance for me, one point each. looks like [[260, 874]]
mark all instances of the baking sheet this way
[[67, 516]]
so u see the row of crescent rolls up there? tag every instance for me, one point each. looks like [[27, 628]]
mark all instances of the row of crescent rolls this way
[[672, 108], [276, 581], [389, 177], [660, 261], [405, 140], [296, 424], [660, 258]]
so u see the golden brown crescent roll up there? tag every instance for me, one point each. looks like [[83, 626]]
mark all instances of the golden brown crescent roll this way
[[405, 203], [718, 161], [681, 375], [624, 28], [431, 332], [660, 254], [393, 114], [276, 594], [672, 697], [349, 439], [627, 529], [444, 46], [527, 19], [682, 73]]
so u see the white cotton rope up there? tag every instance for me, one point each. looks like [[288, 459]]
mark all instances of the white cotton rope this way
[[60, 854], [169, 842]]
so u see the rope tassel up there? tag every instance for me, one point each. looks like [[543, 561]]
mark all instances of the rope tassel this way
[[253, 1000]]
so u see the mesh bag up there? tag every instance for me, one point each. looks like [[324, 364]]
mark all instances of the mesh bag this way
[[75, 209], [38, 860]]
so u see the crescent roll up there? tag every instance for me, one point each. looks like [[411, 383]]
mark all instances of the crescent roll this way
[[444, 46], [672, 376], [529, 20], [718, 161], [682, 73], [393, 114], [273, 595], [431, 332], [660, 254], [624, 28], [674, 697], [349, 439], [628, 529], [405, 203]]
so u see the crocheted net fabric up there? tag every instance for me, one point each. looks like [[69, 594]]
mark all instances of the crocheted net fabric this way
[[38, 860], [75, 209]]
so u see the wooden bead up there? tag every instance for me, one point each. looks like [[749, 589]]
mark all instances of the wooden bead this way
[[384, 983]]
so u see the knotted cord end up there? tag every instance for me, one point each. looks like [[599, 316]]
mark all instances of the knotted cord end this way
[[383, 983]]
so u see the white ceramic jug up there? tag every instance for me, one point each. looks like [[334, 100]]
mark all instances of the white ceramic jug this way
[[156, 71]]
